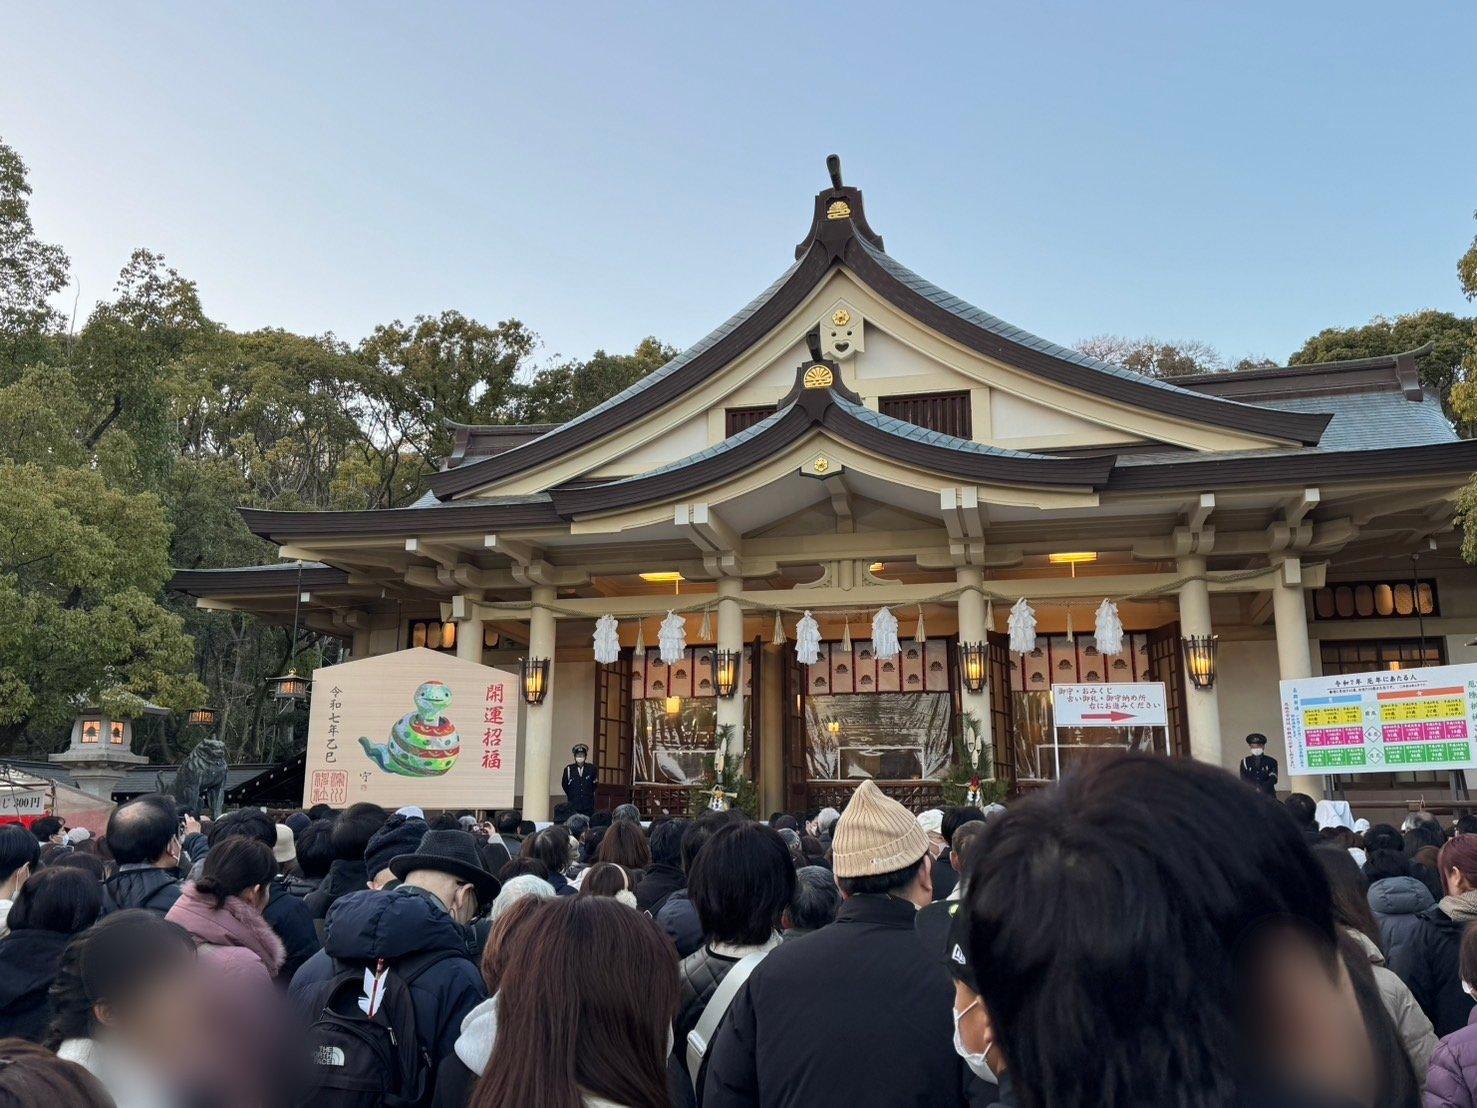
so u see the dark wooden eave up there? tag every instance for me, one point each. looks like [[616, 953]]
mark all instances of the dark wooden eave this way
[[469, 518], [270, 580], [1457, 459]]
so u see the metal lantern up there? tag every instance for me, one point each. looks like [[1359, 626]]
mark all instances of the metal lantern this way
[[203, 717], [726, 671], [833, 727], [972, 661], [1200, 660], [673, 704], [535, 672], [290, 686]]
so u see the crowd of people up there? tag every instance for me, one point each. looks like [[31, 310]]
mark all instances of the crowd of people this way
[[1148, 932]]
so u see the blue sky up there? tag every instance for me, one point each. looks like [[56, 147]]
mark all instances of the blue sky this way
[[1240, 173]]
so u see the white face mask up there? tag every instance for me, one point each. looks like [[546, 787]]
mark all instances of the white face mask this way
[[976, 1062], [579, 759]]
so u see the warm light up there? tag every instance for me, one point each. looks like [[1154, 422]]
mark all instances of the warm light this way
[[91, 730], [535, 674], [289, 686], [1072, 558], [203, 717], [726, 671], [116, 727], [833, 726], [662, 577], [875, 567], [1200, 660], [673, 705], [972, 665], [1394, 665]]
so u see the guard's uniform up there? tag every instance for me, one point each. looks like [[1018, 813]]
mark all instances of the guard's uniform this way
[[579, 787], [1260, 772]]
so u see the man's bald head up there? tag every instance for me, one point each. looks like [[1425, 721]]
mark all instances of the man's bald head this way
[[140, 831]]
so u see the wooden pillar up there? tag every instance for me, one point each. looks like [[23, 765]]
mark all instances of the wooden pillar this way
[[539, 729], [1202, 706]]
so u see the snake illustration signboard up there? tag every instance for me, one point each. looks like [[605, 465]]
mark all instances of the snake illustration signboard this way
[[412, 727], [1386, 721]]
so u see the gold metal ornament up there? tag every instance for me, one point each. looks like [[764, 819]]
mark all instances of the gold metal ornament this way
[[839, 209], [841, 317], [819, 377], [821, 464]]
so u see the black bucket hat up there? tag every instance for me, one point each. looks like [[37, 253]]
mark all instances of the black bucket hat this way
[[454, 853]]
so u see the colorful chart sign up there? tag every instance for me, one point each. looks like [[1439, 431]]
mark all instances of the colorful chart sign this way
[[412, 727], [1126, 704], [1385, 721]]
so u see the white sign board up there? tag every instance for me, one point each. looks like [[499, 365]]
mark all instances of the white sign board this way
[[22, 802], [1125, 704], [1386, 721]]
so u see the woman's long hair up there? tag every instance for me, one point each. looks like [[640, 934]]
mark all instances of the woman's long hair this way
[[625, 844], [585, 1006]]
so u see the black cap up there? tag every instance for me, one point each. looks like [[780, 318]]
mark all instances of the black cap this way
[[399, 835], [580, 748], [451, 852], [1256, 738], [956, 954]]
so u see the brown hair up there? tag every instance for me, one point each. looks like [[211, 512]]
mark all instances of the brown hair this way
[[605, 879], [625, 845], [1467, 958], [233, 866], [584, 1006], [1459, 854], [33, 1077], [499, 940]]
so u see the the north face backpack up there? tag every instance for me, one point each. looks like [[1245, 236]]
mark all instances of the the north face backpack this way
[[357, 1058]]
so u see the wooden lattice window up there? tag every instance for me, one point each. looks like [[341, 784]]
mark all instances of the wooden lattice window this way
[[1376, 600], [945, 412], [741, 419]]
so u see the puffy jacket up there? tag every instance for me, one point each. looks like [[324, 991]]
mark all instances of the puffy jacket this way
[[1452, 1079], [366, 926], [292, 920], [701, 973], [1431, 971], [345, 876], [28, 962], [677, 916], [1396, 903], [141, 886], [1414, 1028], [658, 882]]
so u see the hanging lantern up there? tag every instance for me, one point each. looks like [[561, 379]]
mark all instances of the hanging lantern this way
[[726, 671], [535, 675], [671, 638], [607, 640], [920, 634], [290, 686], [705, 628], [673, 705], [1022, 625], [846, 637], [807, 640], [972, 659], [1107, 629], [1200, 659], [203, 717], [884, 634], [778, 638]]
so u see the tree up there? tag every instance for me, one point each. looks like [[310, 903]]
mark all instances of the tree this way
[[1464, 403], [31, 272], [1153, 357], [562, 391]]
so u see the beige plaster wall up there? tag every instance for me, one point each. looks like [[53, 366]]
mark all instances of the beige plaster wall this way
[[1247, 696]]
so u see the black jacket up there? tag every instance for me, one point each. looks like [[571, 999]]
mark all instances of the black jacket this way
[[1431, 966], [944, 877], [369, 925], [855, 1013], [578, 783], [658, 881], [28, 961], [345, 875], [141, 887], [701, 972], [292, 919], [677, 916]]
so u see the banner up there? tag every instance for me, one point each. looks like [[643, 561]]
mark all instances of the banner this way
[[412, 727], [18, 803], [1122, 704], [1386, 721]]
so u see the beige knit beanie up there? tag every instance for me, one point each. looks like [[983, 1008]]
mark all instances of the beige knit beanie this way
[[875, 834]]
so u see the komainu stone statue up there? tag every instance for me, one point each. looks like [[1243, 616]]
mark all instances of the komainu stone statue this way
[[201, 781]]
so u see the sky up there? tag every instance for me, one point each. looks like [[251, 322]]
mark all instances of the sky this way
[[1244, 174]]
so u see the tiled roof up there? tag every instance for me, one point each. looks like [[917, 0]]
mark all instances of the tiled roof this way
[[914, 433]]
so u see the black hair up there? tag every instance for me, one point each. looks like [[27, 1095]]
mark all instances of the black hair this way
[[957, 816], [139, 831], [816, 898], [741, 883], [577, 824], [507, 822], [1382, 836], [322, 811], [1424, 832], [1379, 864], [57, 899], [1181, 865], [47, 826], [666, 842], [813, 849], [251, 823], [89, 864], [1349, 891], [315, 848], [354, 827], [966, 840], [443, 821], [520, 866], [601, 819], [18, 847], [694, 835], [526, 827], [122, 955], [562, 811], [1466, 825], [1301, 807], [782, 821], [551, 846], [880, 884], [234, 866]]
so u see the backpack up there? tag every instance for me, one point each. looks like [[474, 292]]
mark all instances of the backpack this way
[[356, 1059]]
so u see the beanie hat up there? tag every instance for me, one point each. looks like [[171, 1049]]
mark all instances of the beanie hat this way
[[399, 835], [285, 849], [297, 821], [875, 835]]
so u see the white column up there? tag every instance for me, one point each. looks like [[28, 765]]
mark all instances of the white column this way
[[731, 637], [360, 649], [1294, 659], [972, 629], [539, 730], [469, 632], [1202, 706]]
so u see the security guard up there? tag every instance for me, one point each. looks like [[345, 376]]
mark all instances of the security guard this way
[[1259, 769], [579, 781]]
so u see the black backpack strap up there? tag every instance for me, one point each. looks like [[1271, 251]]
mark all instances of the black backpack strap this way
[[410, 968]]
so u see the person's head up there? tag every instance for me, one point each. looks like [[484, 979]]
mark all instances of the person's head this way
[[1338, 836], [521, 867], [626, 813], [315, 849], [608, 879], [1256, 742], [353, 828], [507, 822], [1301, 807], [526, 827], [396, 836], [442, 821], [1379, 864], [506, 921], [1350, 891], [1457, 864], [33, 1077], [448, 865], [625, 845], [813, 849], [962, 843], [741, 883], [57, 899], [580, 753], [322, 811], [89, 864], [1465, 825], [49, 829], [825, 820], [815, 901], [1382, 836], [666, 842], [20, 852], [1207, 910], [880, 849], [577, 824], [781, 821], [1467, 958], [552, 847], [957, 816], [145, 832], [240, 867], [250, 823], [697, 833], [562, 811], [523, 886], [585, 1006], [1425, 831], [129, 975]]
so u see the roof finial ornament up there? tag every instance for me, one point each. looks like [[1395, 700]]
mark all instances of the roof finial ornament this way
[[833, 167]]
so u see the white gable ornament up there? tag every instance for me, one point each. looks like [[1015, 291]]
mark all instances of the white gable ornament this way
[[842, 333]]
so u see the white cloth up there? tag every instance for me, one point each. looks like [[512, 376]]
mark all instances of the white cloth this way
[[127, 1080], [730, 950], [1333, 813], [4, 916], [479, 1032], [932, 821]]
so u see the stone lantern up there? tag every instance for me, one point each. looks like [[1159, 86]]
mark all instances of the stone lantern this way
[[101, 751]]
